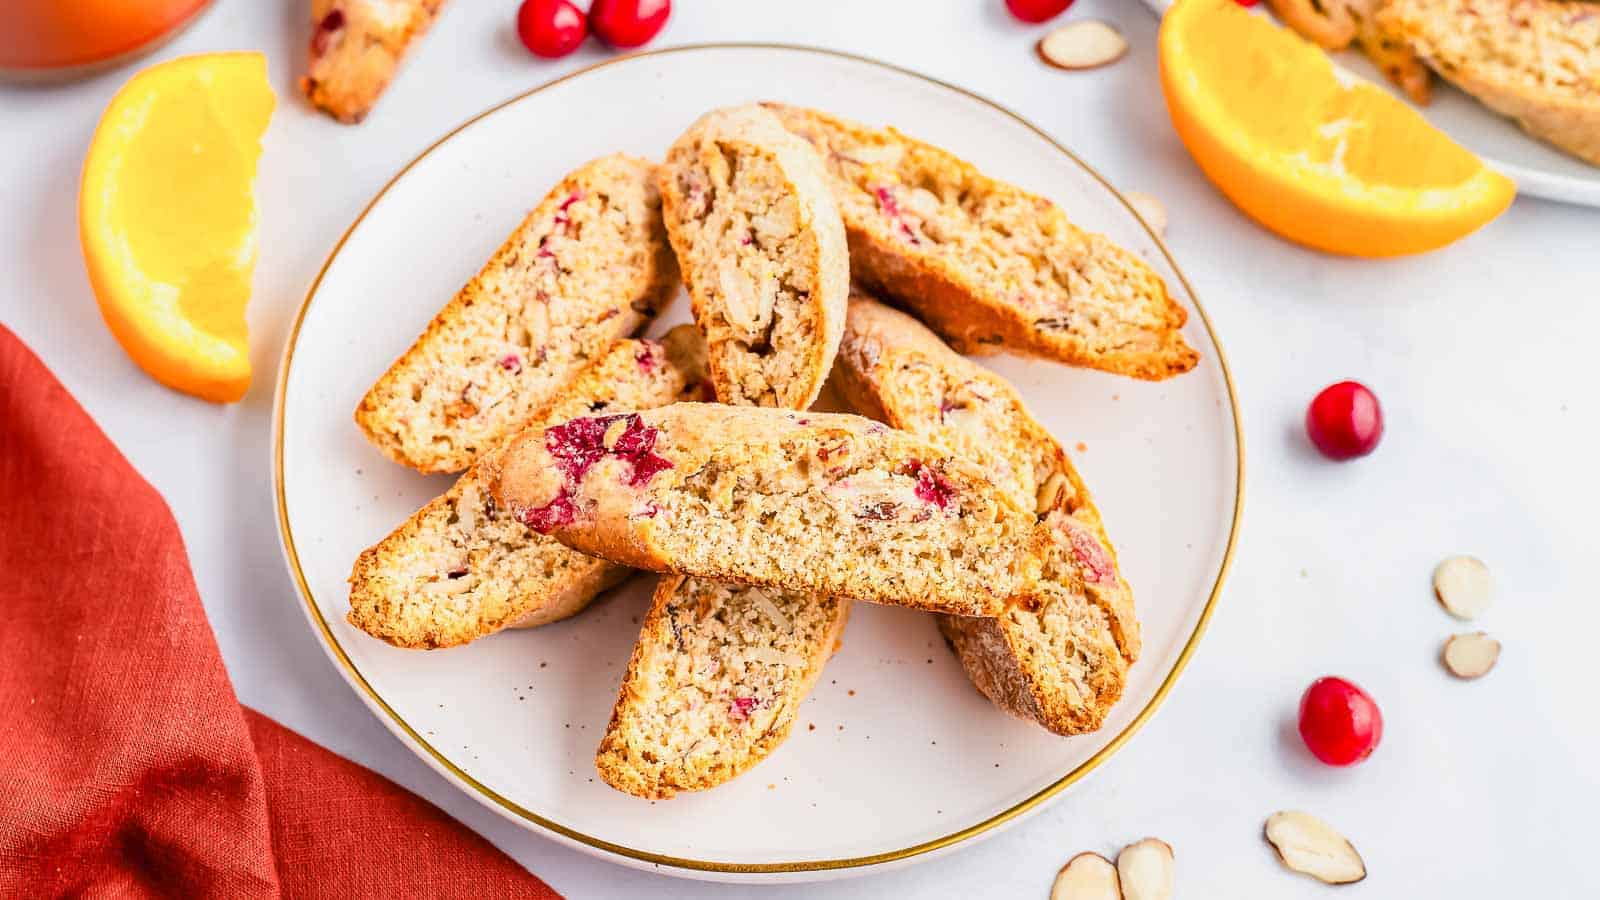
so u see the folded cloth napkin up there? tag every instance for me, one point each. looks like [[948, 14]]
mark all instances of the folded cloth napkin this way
[[127, 766]]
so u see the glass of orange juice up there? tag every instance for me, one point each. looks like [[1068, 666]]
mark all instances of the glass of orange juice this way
[[43, 40]]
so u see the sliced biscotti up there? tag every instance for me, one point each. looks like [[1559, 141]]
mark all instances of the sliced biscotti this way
[[589, 265], [714, 683], [987, 264], [461, 567], [1536, 61], [763, 254], [356, 46], [810, 502], [1061, 656]]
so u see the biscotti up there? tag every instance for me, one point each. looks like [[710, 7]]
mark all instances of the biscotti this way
[[714, 683], [763, 254], [986, 264], [461, 567], [589, 265], [1061, 658], [1536, 61], [356, 46], [1336, 24], [809, 502]]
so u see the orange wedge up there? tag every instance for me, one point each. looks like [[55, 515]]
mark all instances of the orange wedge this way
[[167, 217], [1325, 162]]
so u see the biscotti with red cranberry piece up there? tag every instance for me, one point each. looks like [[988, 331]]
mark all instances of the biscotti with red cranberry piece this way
[[714, 683], [356, 47], [1060, 658], [763, 254], [461, 567], [810, 502], [986, 264], [589, 265]]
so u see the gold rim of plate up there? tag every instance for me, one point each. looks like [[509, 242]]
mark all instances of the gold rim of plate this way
[[517, 811]]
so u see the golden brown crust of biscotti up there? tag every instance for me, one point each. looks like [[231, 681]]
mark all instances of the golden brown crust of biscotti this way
[[589, 265], [801, 501], [356, 46], [1058, 657], [986, 264], [1336, 24], [762, 249], [461, 567], [714, 683], [1536, 61]]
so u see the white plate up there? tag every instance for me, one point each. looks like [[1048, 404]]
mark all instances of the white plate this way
[[905, 758], [1538, 169]]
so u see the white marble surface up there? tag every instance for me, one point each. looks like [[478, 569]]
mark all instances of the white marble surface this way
[[1483, 355]]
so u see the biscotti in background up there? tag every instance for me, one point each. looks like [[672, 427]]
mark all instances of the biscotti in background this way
[[1536, 61], [462, 567], [356, 46], [589, 265], [1059, 655], [714, 683], [986, 264], [1337, 24], [802, 501], [763, 255]]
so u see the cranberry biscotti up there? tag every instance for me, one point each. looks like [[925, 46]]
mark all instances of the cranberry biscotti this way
[[1060, 656], [811, 502], [356, 46], [986, 264], [1536, 61], [763, 255], [589, 265], [1336, 24], [462, 567], [714, 683]]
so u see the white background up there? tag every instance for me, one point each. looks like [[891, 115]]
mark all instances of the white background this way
[[1483, 355]]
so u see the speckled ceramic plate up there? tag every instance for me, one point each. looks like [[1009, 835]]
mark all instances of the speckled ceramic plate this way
[[1539, 169], [895, 757]]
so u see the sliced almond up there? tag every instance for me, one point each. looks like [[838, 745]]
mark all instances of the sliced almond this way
[[1149, 209], [1310, 846], [1471, 655], [1144, 869], [1087, 876], [1464, 586], [1082, 45]]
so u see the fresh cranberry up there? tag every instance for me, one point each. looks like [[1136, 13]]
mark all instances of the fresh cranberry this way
[[1339, 722], [645, 356], [628, 23], [741, 706], [891, 208], [1036, 11], [580, 443], [931, 486], [1345, 421], [511, 363], [551, 28], [1247, 3], [555, 514]]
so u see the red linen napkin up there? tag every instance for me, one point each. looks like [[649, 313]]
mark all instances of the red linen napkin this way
[[127, 766]]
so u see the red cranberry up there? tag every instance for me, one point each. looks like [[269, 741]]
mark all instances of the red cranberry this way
[[1036, 11], [645, 356], [1344, 421], [741, 706], [1339, 722], [1247, 3], [931, 486], [891, 208], [551, 28], [1092, 559], [628, 23], [331, 24], [580, 443], [547, 518]]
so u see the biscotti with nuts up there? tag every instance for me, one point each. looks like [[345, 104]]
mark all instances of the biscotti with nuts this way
[[819, 503], [461, 567], [763, 255], [714, 683], [1336, 24], [1536, 61], [1060, 657], [356, 46], [986, 264], [589, 265]]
